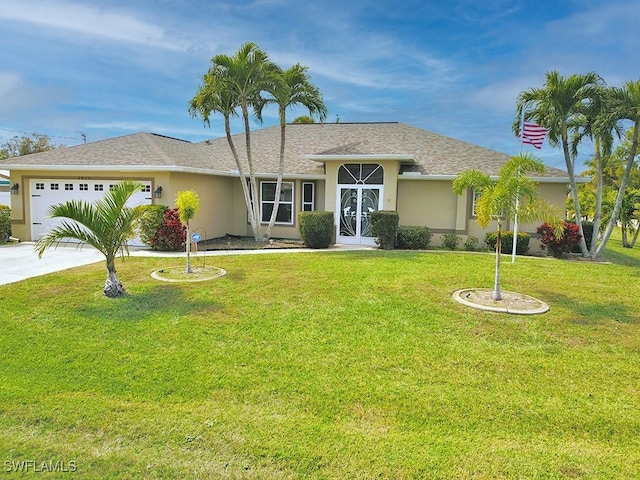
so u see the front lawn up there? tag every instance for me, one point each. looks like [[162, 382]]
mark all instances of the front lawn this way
[[323, 365]]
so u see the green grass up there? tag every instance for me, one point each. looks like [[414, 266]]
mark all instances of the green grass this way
[[325, 365]]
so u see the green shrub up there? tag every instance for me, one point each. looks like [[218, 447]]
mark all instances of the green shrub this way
[[506, 243], [413, 237], [151, 218], [471, 244], [451, 240], [5, 223], [587, 229], [316, 228], [384, 226]]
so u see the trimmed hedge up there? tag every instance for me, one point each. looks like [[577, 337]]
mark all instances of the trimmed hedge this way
[[5, 223], [506, 244], [413, 237], [316, 228], [384, 226]]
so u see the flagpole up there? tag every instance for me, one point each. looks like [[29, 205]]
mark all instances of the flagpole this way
[[515, 217]]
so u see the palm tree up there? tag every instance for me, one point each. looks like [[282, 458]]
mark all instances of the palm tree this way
[[557, 107], [626, 101], [600, 126], [237, 82], [288, 89], [497, 199], [106, 225], [188, 203]]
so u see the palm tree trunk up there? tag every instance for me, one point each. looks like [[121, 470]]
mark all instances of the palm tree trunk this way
[[635, 237], [255, 204], [276, 203], [112, 285], [188, 249], [496, 285], [623, 185], [598, 213], [574, 191], [243, 180]]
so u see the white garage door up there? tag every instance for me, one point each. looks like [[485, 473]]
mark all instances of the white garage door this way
[[46, 192]]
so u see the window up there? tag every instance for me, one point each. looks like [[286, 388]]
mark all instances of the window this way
[[360, 173], [39, 186], [267, 200], [98, 187], [84, 187], [308, 196], [68, 186], [54, 186], [112, 187], [474, 198], [146, 188]]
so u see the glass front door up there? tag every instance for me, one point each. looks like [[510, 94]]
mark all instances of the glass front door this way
[[356, 204]]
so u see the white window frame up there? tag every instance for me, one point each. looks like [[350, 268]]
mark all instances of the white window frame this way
[[312, 203], [474, 198], [282, 202]]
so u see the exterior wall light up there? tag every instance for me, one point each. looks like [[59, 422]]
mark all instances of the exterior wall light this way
[[15, 188], [158, 192]]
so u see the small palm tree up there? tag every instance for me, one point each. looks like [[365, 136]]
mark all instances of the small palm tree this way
[[106, 225], [497, 199], [188, 204]]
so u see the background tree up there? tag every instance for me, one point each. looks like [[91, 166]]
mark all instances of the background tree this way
[[26, 144], [290, 88], [559, 106], [497, 199], [106, 225], [304, 119], [188, 204]]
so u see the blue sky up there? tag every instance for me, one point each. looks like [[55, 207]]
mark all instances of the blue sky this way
[[455, 67]]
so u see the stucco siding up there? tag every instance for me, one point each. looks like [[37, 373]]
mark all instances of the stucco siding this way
[[429, 203]]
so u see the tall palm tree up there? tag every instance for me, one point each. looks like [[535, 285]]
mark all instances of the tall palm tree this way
[[601, 127], [106, 225], [290, 88], [626, 107], [557, 106], [233, 82], [497, 199]]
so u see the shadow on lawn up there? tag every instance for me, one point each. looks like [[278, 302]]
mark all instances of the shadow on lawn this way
[[591, 313], [157, 300]]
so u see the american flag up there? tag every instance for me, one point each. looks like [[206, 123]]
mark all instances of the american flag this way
[[533, 134]]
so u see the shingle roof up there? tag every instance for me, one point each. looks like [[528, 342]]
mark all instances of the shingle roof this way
[[432, 153]]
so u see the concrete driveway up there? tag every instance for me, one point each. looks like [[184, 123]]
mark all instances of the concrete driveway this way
[[19, 261]]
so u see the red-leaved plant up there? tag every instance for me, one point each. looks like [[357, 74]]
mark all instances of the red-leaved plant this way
[[559, 247], [171, 234]]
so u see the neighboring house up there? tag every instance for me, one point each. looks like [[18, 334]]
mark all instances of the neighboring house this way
[[5, 186], [351, 169]]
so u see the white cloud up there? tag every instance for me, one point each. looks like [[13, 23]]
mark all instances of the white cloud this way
[[90, 20]]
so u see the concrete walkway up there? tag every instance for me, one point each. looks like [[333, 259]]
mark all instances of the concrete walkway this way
[[19, 261]]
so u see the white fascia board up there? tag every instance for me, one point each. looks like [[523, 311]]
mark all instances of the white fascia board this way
[[419, 176], [361, 157]]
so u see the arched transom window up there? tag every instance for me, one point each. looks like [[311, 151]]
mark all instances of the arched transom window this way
[[360, 174]]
